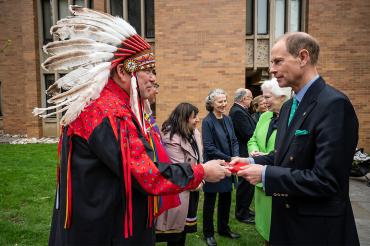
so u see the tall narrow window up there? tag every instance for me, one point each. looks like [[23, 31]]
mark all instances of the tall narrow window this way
[[79, 2], [250, 17], [46, 21], [134, 14], [116, 8], [90, 4], [279, 18], [63, 9], [49, 80], [149, 19], [295, 13], [262, 16]]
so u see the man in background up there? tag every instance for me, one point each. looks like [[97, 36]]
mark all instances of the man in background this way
[[244, 126]]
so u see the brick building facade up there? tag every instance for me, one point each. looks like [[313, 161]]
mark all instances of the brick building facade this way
[[199, 44]]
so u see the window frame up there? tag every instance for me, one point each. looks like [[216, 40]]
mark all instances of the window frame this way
[[254, 37], [271, 10], [54, 5], [143, 21]]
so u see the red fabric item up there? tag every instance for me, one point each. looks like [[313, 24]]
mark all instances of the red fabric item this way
[[236, 167]]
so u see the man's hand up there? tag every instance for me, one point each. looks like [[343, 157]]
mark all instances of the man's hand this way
[[252, 173], [214, 171], [238, 159]]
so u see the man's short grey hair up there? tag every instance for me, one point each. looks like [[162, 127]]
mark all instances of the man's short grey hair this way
[[296, 41], [273, 87], [211, 98], [240, 94]]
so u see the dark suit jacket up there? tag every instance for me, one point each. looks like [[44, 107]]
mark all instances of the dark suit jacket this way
[[216, 146], [309, 176], [244, 126]]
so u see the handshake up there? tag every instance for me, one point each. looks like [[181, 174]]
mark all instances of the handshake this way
[[215, 170]]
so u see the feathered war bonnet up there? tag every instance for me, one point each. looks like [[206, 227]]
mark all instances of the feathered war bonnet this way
[[91, 44]]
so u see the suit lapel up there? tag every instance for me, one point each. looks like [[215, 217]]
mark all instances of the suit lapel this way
[[282, 128], [305, 107]]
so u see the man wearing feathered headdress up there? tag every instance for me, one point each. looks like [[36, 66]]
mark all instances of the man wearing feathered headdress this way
[[107, 175]]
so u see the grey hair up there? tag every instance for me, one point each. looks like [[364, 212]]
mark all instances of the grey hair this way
[[211, 98], [273, 87], [239, 94]]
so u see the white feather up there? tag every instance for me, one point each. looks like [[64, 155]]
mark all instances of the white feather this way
[[111, 23], [77, 99], [70, 60], [81, 11], [91, 22], [55, 112], [80, 75], [125, 29], [57, 99], [84, 31], [125, 26], [134, 100], [82, 44], [40, 111], [90, 93]]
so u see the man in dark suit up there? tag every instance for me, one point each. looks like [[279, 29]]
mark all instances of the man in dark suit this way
[[244, 126], [308, 174]]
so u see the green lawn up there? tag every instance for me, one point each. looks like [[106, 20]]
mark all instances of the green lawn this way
[[27, 183]]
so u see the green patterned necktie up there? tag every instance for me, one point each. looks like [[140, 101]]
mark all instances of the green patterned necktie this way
[[292, 110]]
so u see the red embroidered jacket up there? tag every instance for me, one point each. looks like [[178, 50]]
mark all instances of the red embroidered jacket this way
[[107, 176]]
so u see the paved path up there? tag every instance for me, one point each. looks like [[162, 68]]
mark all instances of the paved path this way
[[360, 198]]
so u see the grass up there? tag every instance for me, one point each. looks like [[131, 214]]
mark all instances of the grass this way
[[27, 181], [250, 236], [27, 186]]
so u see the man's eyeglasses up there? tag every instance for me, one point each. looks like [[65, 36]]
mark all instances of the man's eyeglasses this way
[[150, 71]]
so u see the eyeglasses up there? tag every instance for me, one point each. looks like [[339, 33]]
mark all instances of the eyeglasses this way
[[150, 71]]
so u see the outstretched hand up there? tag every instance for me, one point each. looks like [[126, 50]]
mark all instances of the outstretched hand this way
[[252, 173], [215, 170]]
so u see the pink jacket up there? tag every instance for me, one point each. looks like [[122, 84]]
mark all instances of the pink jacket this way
[[179, 150]]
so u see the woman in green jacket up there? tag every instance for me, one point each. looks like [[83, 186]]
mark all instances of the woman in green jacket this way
[[262, 142]]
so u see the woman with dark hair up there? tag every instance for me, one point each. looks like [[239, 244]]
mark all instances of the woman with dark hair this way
[[219, 142], [183, 144]]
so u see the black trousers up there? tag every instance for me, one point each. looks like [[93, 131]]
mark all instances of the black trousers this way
[[244, 197], [223, 212]]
